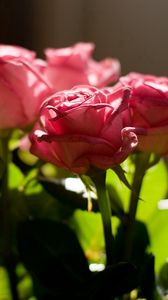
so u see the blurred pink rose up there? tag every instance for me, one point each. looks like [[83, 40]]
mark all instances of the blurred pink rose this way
[[148, 104], [8, 51], [16, 51], [83, 127], [71, 66], [22, 88], [24, 143]]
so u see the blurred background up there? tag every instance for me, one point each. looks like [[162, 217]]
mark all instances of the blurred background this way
[[135, 31]]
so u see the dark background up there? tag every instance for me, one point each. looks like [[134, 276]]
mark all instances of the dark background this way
[[135, 31]]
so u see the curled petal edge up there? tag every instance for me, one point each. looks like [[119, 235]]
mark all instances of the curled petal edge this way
[[130, 142]]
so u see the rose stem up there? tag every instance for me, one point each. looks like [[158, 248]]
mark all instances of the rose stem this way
[[4, 200], [141, 165], [105, 210], [5, 218]]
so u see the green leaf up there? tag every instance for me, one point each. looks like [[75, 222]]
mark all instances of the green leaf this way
[[15, 176], [68, 198], [88, 228], [163, 278], [1, 168], [121, 174], [147, 278], [141, 241], [41, 204], [154, 188], [5, 291], [52, 253], [115, 201], [114, 281], [87, 181], [158, 228]]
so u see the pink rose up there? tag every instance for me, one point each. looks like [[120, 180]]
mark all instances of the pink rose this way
[[8, 51], [82, 127], [16, 51], [148, 104], [22, 88], [71, 66]]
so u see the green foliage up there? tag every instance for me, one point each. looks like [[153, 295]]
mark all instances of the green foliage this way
[[154, 189], [51, 252], [38, 193]]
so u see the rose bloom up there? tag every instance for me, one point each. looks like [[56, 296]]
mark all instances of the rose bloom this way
[[74, 65], [148, 105], [83, 127], [16, 51], [22, 88]]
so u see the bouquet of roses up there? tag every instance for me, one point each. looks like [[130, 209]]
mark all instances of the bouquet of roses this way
[[69, 118]]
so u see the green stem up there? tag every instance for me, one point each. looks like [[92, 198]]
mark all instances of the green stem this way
[[4, 199], [105, 210], [141, 165], [10, 264], [6, 218]]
